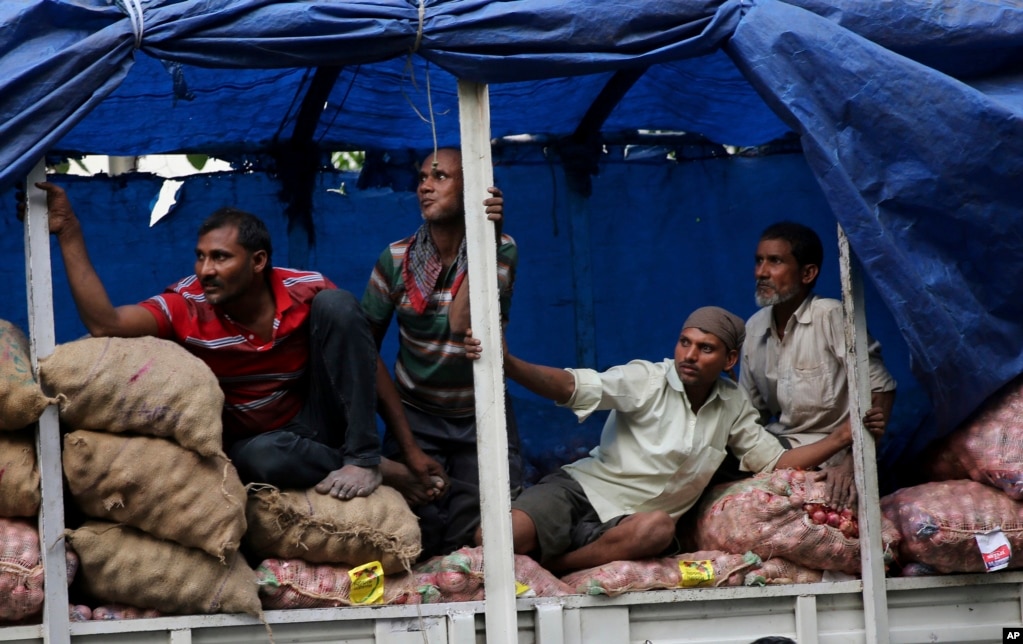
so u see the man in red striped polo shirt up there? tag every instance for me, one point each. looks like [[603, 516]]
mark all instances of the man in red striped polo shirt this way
[[293, 354]]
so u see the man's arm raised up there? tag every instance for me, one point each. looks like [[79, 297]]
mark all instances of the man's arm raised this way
[[100, 317], [549, 382]]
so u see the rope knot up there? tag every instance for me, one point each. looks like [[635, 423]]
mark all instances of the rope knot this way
[[138, 22]]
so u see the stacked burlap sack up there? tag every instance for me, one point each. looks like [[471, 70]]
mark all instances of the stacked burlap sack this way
[[146, 464], [313, 546], [22, 401], [975, 487]]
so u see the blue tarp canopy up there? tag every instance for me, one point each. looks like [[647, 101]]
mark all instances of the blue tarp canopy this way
[[909, 113]]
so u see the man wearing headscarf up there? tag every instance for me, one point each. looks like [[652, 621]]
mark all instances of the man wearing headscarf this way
[[666, 435]]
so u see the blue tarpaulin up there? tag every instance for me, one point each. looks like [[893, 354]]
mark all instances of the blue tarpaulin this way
[[909, 114]]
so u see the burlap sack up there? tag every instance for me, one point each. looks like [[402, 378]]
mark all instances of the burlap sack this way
[[21, 399], [297, 524], [141, 385], [159, 487], [19, 475], [121, 564]]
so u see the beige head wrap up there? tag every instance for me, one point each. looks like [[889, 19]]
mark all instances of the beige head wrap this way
[[714, 319]]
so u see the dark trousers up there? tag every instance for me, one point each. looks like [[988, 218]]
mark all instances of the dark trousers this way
[[337, 424], [450, 522]]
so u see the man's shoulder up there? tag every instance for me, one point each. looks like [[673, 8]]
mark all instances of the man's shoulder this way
[[759, 323], [292, 276], [395, 251], [818, 308], [824, 303], [730, 390]]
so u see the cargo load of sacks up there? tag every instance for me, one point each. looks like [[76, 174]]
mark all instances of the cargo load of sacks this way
[[145, 463], [318, 551], [785, 514], [456, 577], [21, 404], [143, 460], [968, 516]]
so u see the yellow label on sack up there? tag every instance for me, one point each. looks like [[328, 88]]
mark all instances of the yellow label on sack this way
[[367, 583], [522, 590], [695, 573]]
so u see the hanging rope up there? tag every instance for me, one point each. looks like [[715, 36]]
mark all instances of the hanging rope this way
[[410, 70]]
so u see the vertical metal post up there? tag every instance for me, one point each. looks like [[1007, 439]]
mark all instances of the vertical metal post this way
[[875, 599], [491, 430], [41, 333]]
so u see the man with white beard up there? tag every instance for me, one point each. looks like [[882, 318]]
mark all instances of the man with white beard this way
[[793, 359]]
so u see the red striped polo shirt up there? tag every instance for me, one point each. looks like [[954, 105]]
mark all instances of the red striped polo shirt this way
[[263, 384]]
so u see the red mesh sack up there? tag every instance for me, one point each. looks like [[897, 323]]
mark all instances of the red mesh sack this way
[[122, 611], [939, 522], [293, 583], [987, 448], [458, 577], [691, 570], [785, 514], [778, 571], [21, 570]]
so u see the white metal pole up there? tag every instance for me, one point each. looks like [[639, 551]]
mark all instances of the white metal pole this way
[[40, 324], [875, 598], [491, 431]]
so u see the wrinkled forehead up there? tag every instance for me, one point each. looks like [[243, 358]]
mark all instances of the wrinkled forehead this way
[[698, 336]]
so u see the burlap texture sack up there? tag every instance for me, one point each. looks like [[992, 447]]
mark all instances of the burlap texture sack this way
[[19, 475], [307, 525], [159, 487], [142, 385], [121, 564], [21, 399]]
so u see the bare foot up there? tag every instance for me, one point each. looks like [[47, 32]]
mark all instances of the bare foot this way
[[350, 481], [401, 478]]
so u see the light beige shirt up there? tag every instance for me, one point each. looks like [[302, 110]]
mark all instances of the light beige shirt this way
[[800, 381], [655, 453]]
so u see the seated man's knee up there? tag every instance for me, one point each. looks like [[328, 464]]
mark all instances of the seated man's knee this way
[[656, 529], [261, 460], [524, 537], [338, 305]]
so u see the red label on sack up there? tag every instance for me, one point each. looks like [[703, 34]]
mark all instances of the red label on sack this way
[[1000, 555], [994, 549]]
